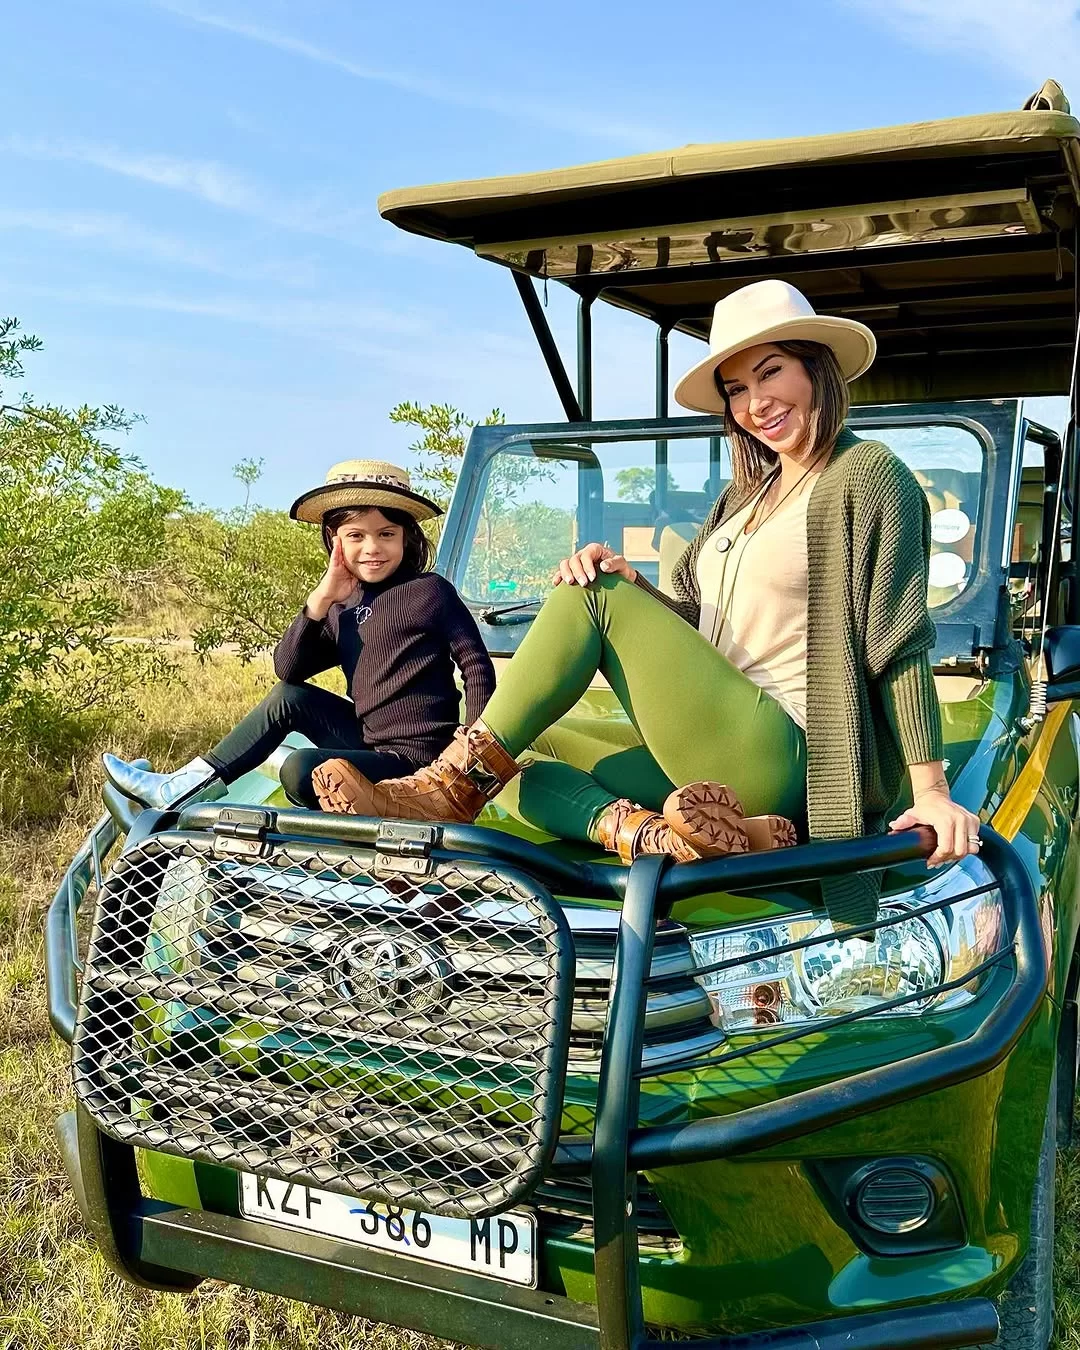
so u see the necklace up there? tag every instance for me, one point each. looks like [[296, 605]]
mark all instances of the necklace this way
[[725, 542]]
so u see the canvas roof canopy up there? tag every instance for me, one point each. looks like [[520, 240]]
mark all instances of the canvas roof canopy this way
[[954, 240]]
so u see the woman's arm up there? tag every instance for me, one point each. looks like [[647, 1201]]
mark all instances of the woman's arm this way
[[910, 702], [899, 635], [957, 829], [685, 600], [469, 654]]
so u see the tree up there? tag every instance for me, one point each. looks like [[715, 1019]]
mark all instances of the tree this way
[[248, 570], [440, 449], [635, 484], [248, 472], [80, 525]]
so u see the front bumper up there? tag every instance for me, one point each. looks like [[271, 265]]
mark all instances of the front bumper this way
[[173, 1248], [169, 1246]]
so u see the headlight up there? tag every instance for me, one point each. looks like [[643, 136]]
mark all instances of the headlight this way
[[843, 974]]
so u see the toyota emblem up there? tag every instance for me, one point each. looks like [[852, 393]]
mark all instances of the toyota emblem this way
[[392, 972]]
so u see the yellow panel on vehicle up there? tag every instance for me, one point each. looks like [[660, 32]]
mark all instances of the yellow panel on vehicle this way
[[1013, 811]]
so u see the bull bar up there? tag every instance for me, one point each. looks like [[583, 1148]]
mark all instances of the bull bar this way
[[170, 1247]]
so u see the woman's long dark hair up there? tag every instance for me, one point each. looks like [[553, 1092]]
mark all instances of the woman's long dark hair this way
[[419, 556], [752, 459]]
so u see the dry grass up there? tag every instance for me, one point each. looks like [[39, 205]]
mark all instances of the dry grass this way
[[55, 1291], [159, 610]]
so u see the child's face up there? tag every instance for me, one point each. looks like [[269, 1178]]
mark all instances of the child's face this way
[[373, 546]]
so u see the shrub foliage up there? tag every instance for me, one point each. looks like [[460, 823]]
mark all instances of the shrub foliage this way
[[80, 525]]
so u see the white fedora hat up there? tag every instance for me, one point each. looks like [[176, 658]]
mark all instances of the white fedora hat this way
[[359, 483], [770, 311]]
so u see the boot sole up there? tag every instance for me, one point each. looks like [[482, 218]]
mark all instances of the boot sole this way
[[336, 792], [709, 817], [766, 832]]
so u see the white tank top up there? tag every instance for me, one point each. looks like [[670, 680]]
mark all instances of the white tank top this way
[[753, 599]]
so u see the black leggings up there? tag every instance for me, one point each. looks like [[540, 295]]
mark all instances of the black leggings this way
[[327, 719]]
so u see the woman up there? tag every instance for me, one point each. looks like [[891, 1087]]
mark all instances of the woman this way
[[792, 663], [395, 628]]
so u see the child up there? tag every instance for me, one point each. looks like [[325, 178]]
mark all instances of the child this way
[[394, 627]]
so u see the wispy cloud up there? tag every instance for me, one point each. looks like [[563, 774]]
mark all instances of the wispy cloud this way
[[554, 113], [121, 234], [353, 327], [208, 181], [1033, 39]]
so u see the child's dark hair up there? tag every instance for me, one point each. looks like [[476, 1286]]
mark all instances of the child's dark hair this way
[[419, 554]]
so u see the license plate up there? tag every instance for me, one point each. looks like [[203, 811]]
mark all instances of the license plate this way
[[502, 1246]]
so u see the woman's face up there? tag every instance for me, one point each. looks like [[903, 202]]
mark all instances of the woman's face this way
[[771, 396], [373, 546]]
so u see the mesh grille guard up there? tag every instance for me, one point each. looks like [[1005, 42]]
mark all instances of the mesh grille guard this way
[[301, 1011]]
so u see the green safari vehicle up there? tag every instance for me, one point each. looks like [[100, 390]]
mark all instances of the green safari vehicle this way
[[488, 1085]]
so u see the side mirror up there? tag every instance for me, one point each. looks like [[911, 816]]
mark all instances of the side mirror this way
[[1062, 653]]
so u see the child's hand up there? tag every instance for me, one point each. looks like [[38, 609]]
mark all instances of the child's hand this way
[[335, 587]]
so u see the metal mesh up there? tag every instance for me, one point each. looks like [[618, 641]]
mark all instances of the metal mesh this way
[[302, 1015]]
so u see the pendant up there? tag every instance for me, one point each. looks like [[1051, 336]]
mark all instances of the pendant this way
[[723, 544]]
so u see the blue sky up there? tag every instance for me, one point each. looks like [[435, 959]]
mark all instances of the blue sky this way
[[188, 216]]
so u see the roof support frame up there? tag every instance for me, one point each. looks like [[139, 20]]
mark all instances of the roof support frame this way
[[585, 355], [663, 368], [548, 348]]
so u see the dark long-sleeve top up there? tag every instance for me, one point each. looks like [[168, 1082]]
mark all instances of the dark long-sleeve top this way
[[397, 643]]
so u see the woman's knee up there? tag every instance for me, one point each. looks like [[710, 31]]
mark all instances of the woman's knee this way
[[565, 597]]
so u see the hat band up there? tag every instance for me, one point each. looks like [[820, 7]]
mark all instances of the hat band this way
[[386, 478]]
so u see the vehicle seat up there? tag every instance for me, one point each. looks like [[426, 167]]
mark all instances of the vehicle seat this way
[[952, 489], [1027, 529], [673, 542]]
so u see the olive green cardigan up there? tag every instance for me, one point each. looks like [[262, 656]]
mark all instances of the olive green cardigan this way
[[871, 706]]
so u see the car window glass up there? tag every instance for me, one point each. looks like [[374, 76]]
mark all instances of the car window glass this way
[[948, 463], [646, 499], [540, 501]]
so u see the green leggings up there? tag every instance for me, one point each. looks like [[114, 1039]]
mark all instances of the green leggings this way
[[692, 714]]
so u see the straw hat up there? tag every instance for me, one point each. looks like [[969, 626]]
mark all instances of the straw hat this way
[[359, 483], [770, 311]]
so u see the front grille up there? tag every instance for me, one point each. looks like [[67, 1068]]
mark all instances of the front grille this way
[[300, 1016], [565, 1210], [678, 1015]]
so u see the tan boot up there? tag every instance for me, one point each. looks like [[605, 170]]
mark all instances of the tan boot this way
[[702, 813], [472, 769], [630, 830]]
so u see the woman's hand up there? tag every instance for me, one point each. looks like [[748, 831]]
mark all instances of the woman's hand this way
[[581, 567], [957, 830], [337, 584]]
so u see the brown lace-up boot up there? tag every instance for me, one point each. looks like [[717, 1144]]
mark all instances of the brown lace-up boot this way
[[704, 820], [472, 769], [703, 812]]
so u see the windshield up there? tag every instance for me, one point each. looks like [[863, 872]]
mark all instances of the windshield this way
[[647, 499]]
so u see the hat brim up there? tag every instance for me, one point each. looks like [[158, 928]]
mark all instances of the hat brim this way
[[852, 343], [313, 505]]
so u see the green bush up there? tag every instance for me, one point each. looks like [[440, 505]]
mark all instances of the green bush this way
[[248, 570], [80, 525]]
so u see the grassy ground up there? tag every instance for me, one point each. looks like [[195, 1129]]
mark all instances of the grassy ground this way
[[55, 1292]]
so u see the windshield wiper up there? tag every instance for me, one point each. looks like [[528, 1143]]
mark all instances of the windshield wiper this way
[[503, 614]]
